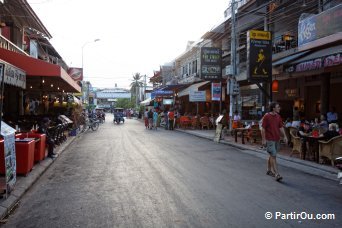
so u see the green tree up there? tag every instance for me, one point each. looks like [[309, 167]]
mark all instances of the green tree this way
[[135, 87], [125, 103]]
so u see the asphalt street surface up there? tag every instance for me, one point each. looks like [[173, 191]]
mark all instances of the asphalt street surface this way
[[127, 176]]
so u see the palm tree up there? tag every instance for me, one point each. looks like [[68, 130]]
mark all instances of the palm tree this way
[[135, 86]]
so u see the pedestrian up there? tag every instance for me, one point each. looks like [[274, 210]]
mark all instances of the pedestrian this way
[[236, 120], [272, 126], [43, 129], [155, 119], [150, 119], [146, 118], [166, 120], [171, 117]]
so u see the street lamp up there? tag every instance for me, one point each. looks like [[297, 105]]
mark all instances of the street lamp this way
[[86, 91]]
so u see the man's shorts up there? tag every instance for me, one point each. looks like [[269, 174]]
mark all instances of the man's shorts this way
[[272, 147]]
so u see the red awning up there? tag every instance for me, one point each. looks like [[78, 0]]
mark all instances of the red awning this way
[[55, 77]]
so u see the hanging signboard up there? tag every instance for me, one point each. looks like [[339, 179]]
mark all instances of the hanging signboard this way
[[76, 73], [13, 75], [161, 93], [216, 91], [259, 56], [9, 154], [211, 63], [197, 96]]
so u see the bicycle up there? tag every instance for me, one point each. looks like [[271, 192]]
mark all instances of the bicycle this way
[[91, 123]]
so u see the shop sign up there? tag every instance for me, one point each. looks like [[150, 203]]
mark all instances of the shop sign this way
[[315, 64], [14, 76], [211, 63], [215, 91], [259, 56], [291, 92], [333, 60], [306, 30], [76, 73], [161, 93], [9, 154], [197, 96], [321, 25]]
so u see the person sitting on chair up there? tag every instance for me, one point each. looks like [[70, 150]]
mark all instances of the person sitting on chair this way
[[331, 133], [43, 129], [304, 131]]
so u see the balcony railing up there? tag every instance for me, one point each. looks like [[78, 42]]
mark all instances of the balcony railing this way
[[6, 44], [284, 43]]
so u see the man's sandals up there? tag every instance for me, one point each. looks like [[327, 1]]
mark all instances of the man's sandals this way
[[277, 177]]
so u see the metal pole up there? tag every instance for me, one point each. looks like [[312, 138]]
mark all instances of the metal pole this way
[[83, 81], [2, 75], [232, 62]]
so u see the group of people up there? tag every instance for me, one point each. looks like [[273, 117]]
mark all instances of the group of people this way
[[153, 119], [272, 129]]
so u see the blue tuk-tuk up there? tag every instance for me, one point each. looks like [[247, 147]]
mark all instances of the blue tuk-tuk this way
[[118, 115]]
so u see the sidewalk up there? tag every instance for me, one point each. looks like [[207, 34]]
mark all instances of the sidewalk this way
[[283, 157], [25, 182]]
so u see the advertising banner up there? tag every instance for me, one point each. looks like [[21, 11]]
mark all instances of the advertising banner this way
[[9, 154], [13, 75], [215, 91], [161, 93], [197, 96], [316, 64], [321, 25], [76, 73], [211, 63], [259, 56]]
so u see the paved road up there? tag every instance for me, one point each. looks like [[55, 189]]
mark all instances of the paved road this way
[[127, 176]]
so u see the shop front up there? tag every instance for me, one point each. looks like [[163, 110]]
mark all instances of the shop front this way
[[312, 84], [12, 90], [166, 97], [46, 91]]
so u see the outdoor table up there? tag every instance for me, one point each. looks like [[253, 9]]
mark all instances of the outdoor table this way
[[314, 146], [24, 149], [243, 131]]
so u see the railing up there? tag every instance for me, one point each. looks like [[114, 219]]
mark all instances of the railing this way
[[284, 43], [6, 44]]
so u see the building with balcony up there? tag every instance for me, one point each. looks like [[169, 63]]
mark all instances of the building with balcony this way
[[24, 44]]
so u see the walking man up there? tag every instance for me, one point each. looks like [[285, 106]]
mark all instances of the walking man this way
[[171, 117], [272, 126]]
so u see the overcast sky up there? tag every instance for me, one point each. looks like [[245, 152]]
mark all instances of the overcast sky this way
[[135, 35]]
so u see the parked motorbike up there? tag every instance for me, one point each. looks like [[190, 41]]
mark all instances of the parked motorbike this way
[[338, 164]]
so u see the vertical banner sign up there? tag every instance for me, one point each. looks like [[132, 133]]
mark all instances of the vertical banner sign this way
[[211, 64], [259, 56], [216, 91], [9, 154]]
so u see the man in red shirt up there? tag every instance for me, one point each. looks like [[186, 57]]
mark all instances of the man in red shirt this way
[[272, 126], [171, 116]]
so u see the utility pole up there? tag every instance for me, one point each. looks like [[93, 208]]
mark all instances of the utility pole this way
[[144, 87], [233, 64]]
